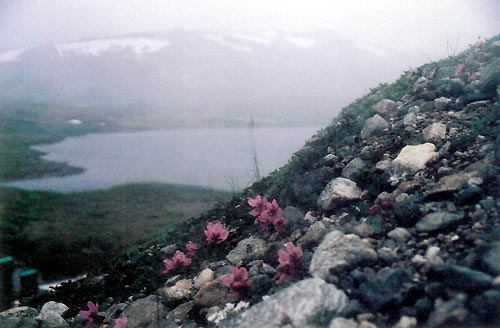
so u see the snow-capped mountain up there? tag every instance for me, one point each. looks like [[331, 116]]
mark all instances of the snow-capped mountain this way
[[202, 74]]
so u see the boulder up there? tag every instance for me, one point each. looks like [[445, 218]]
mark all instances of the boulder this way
[[247, 249], [354, 169], [340, 251], [296, 304], [214, 293], [416, 157], [386, 108], [338, 192], [434, 132], [146, 312], [374, 126]]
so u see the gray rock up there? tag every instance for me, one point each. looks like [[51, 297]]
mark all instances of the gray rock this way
[[340, 251], [399, 234], [247, 249], [338, 192], [447, 311], [343, 323], [179, 314], [464, 278], [21, 311], [449, 184], [490, 77], [50, 315], [437, 221], [491, 259], [385, 288], [214, 293], [18, 322], [313, 236], [374, 126], [442, 103], [293, 216], [434, 132], [298, 302], [145, 313], [386, 108], [410, 119], [354, 169], [52, 306]]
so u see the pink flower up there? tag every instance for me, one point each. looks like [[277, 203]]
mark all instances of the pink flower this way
[[121, 322], [259, 205], [91, 313], [177, 260], [289, 262], [460, 69], [279, 223], [273, 209], [374, 210], [192, 248], [238, 280], [216, 232]]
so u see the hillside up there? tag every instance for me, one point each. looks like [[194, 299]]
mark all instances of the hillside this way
[[392, 213]]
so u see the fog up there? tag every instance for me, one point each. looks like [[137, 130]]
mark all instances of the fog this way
[[219, 60]]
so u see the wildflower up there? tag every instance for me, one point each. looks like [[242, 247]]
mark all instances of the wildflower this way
[[273, 209], [289, 262], [386, 204], [238, 280], [177, 260], [121, 322], [279, 223], [374, 210], [192, 248], [91, 313], [216, 232], [259, 205]]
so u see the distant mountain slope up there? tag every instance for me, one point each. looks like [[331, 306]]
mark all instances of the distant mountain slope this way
[[201, 75], [395, 207]]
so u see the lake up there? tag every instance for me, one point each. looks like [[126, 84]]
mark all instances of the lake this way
[[219, 158]]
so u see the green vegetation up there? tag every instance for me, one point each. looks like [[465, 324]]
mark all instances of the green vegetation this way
[[72, 233]]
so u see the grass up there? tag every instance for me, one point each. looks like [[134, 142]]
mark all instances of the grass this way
[[62, 234]]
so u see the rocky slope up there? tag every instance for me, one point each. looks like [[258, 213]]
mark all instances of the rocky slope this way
[[395, 208]]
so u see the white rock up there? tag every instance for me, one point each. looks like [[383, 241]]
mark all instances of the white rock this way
[[415, 157], [205, 276], [338, 191], [410, 119], [399, 234], [374, 126], [434, 132]]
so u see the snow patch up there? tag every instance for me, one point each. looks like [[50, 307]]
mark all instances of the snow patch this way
[[75, 122], [300, 41], [223, 42], [139, 46], [11, 55]]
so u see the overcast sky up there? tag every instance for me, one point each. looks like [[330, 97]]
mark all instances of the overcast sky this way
[[422, 26]]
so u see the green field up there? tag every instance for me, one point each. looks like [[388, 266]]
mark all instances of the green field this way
[[69, 233]]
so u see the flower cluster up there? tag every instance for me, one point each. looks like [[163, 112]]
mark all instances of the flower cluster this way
[[229, 310], [216, 232], [179, 259], [238, 280], [91, 314], [269, 214], [121, 322], [289, 262]]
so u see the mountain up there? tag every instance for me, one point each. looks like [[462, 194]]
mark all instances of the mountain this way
[[388, 217], [194, 75]]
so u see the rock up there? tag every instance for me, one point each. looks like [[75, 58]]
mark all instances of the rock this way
[[416, 157], [463, 278], [21, 311], [490, 259], [174, 293], [399, 234], [354, 169], [214, 293], [449, 184], [363, 230], [339, 251], [205, 276], [434, 132], [343, 323], [330, 159], [18, 322], [313, 236], [247, 249], [442, 103], [147, 312], [448, 313], [385, 288], [374, 126], [437, 221], [179, 314], [298, 303], [410, 119], [50, 315], [490, 78], [386, 108], [293, 216], [432, 256], [406, 322], [338, 192]]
